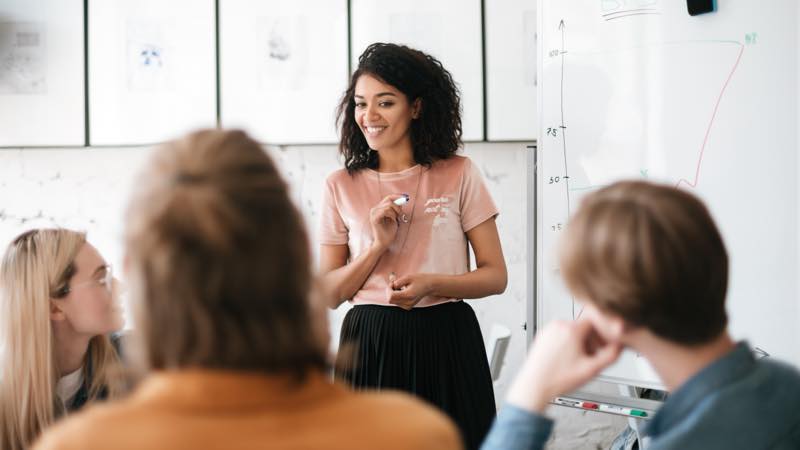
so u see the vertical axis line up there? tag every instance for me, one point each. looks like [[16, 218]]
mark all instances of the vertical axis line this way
[[563, 128], [563, 125]]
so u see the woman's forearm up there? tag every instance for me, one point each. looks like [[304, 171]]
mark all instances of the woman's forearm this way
[[481, 282], [344, 282]]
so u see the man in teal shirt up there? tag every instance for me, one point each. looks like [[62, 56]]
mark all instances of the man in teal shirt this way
[[652, 269]]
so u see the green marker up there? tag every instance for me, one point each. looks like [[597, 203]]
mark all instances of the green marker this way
[[620, 410]]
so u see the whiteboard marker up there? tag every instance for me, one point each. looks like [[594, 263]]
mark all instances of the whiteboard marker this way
[[575, 403], [567, 402], [621, 410], [402, 200]]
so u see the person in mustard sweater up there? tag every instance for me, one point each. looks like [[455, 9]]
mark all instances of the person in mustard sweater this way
[[218, 263]]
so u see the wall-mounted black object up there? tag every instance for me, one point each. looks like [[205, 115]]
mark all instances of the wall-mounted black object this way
[[700, 6]]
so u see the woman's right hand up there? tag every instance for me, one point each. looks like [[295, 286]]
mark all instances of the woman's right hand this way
[[383, 220]]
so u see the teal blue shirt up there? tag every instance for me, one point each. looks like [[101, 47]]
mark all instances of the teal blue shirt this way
[[737, 402]]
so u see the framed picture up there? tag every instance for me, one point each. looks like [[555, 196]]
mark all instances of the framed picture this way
[[283, 68], [152, 69], [42, 73], [511, 70]]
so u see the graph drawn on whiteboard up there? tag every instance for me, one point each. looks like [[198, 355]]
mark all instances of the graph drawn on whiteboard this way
[[639, 93], [23, 60], [599, 168]]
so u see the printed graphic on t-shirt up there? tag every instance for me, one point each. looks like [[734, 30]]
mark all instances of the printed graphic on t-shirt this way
[[439, 208]]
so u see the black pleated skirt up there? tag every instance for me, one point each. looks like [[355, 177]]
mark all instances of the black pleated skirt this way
[[436, 353]]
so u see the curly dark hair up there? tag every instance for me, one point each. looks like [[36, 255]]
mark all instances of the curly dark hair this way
[[435, 134]]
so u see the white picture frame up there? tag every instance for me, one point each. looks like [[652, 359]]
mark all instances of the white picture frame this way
[[283, 68], [511, 55], [42, 77], [152, 70]]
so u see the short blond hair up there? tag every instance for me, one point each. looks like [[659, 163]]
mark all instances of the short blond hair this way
[[219, 259], [651, 254]]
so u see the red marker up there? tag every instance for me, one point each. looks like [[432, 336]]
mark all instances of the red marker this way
[[576, 404]]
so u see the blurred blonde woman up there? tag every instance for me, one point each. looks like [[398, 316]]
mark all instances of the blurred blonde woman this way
[[56, 313], [220, 272]]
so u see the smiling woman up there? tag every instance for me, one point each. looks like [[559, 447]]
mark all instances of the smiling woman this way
[[397, 223], [397, 75], [57, 309]]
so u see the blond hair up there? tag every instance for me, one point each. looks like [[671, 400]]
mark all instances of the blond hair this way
[[219, 260], [651, 254], [36, 267]]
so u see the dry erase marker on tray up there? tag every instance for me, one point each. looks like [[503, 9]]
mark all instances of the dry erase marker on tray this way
[[576, 403], [621, 410], [402, 200], [567, 402]]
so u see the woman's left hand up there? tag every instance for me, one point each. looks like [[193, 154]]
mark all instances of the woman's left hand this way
[[408, 290]]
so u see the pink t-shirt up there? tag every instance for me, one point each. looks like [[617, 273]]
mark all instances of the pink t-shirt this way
[[447, 200]]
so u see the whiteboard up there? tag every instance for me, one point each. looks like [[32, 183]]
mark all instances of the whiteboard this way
[[152, 69], [446, 29], [511, 70], [283, 68], [42, 73], [639, 89]]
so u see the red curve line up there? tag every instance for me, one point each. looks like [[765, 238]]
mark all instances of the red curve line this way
[[710, 125]]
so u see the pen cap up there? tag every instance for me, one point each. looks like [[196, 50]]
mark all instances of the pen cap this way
[[402, 200]]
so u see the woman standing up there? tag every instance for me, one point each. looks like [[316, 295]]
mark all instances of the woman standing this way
[[57, 310], [396, 226]]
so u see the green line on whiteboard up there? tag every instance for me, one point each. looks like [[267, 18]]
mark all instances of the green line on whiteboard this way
[[656, 44], [586, 188]]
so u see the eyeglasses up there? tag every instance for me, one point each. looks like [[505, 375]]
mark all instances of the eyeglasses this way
[[107, 281]]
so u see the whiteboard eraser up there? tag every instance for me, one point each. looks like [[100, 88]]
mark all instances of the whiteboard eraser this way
[[696, 7]]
